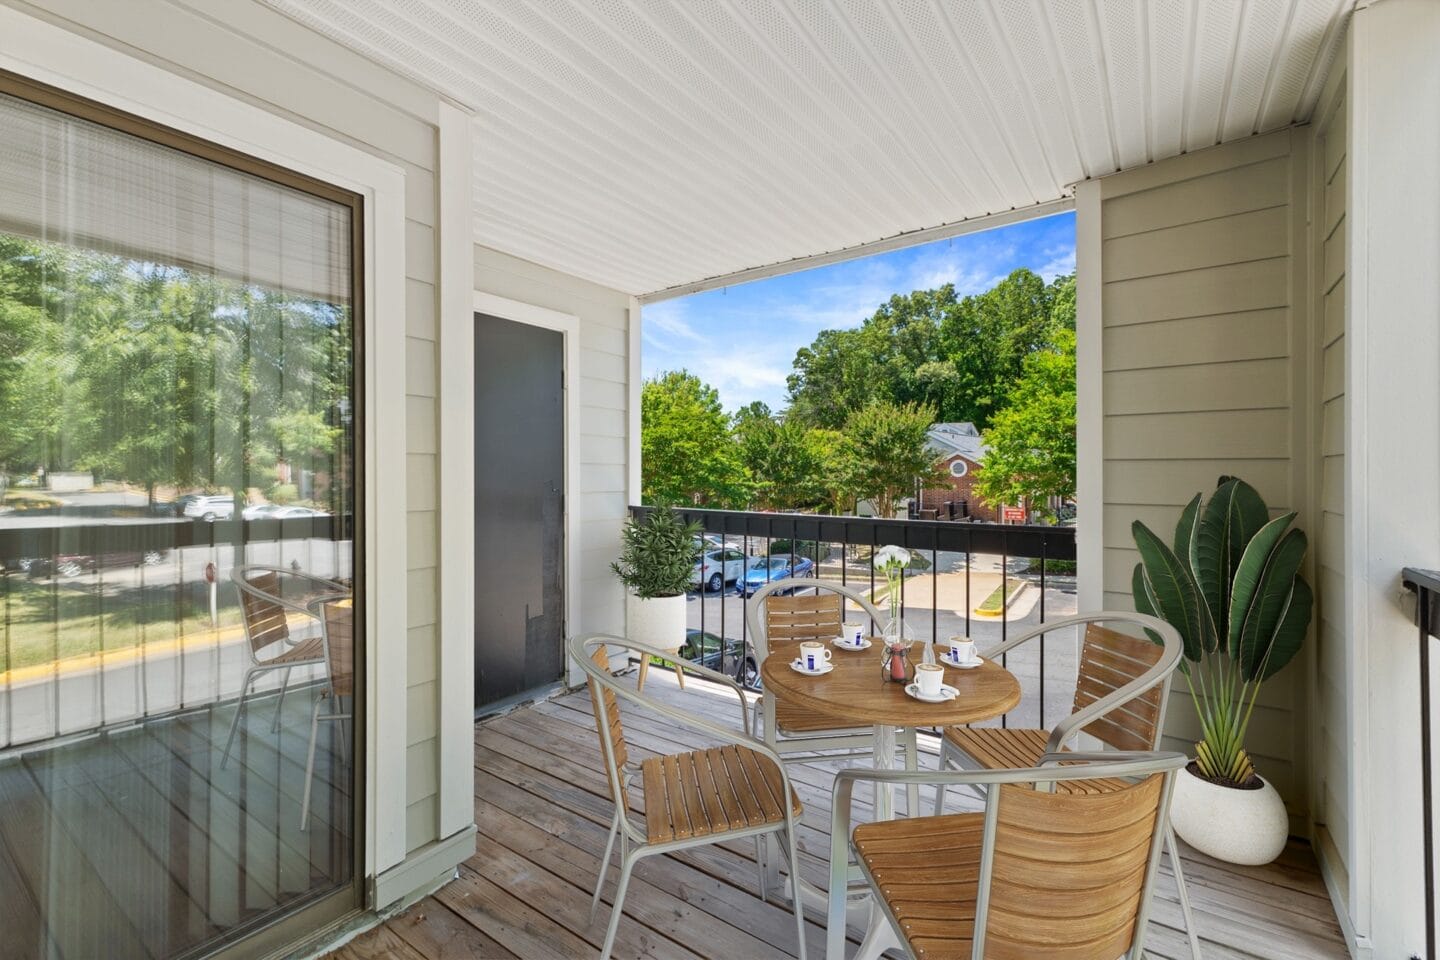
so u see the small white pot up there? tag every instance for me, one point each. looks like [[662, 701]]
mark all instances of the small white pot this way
[[657, 621], [1246, 827]]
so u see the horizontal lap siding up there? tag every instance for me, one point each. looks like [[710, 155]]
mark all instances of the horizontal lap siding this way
[[253, 53], [1332, 753], [604, 316], [1197, 374]]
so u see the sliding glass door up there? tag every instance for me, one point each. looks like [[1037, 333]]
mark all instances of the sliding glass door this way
[[179, 589]]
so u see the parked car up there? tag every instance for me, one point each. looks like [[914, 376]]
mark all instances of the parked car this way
[[75, 564], [765, 570], [275, 511], [717, 567], [704, 649], [211, 508]]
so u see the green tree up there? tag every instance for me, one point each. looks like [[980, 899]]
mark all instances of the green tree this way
[[888, 452], [686, 452], [960, 356], [789, 462], [1032, 441]]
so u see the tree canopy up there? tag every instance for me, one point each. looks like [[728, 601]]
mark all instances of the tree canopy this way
[[958, 355], [157, 375], [1032, 441], [687, 455], [888, 452]]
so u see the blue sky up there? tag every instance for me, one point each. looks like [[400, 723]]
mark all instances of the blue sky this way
[[742, 340]]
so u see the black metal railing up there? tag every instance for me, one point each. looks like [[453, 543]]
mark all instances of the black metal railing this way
[[950, 554], [1426, 585]]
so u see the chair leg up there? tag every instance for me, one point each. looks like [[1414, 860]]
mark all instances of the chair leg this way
[[310, 765], [763, 881], [1174, 850], [912, 762], [627, 863], [280, 706], [772, 863], [604, 864], [795, 895], [944, 765], [644, 672], [235, 723]]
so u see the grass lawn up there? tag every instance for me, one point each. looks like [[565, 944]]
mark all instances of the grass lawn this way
[[1000, 596], [43, 622]]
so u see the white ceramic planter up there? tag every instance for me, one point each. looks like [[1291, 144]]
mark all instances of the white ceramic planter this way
[[1247, 827], [658, 621]]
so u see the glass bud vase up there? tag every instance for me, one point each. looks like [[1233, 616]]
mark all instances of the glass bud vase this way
[[895, 665]]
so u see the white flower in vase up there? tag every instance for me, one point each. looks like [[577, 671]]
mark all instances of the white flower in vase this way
[[891, 561]]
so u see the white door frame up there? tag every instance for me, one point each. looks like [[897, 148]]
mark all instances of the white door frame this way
[[569, 327]]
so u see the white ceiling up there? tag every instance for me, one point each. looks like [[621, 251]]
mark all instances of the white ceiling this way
[[644, 144]]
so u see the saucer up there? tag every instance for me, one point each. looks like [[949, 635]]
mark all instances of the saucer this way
[[946, 693], [824, 669], [840, 645], [967, 665]]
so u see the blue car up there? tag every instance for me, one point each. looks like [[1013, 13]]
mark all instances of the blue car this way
[[769, 569]]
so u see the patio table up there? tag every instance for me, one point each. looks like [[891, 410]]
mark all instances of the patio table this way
[[855, 693]]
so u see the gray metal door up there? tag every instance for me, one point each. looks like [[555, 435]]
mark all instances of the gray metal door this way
[[519, 507]]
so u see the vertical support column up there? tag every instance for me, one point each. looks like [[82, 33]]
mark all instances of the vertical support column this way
[[1089, 412], [455, 672]]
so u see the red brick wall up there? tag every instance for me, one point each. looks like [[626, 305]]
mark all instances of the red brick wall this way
[[959, 488]]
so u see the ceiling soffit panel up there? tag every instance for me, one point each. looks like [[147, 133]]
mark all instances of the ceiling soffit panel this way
[[649, 144]]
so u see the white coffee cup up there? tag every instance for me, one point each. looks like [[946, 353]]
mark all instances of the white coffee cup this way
[[962, 650], [852, 633], [929, 677], [813, 655]]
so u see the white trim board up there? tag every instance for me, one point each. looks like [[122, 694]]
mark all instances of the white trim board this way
[[1089, 399], [898, 242], [569, 326], [55, 56], [456, 322]]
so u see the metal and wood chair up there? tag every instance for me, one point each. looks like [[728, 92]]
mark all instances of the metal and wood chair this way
[[265, 610], [337, 634], [779, 624], [1042, 872], [1120, 695], [739, 789]]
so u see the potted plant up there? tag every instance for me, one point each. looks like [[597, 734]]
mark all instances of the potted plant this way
[[1231, 586], [657, 562]]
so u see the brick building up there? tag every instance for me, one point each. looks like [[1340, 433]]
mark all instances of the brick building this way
[[963, 450]]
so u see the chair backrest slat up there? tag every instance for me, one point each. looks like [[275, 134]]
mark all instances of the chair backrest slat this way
[[607, 724], [265, 620], [1108, 661], [794, 619], [340, 646], [1069, 871]]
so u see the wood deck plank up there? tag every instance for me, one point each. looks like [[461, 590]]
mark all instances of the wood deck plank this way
[[544, 808]]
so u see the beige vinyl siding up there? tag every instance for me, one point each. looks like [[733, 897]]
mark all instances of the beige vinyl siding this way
[[1331, 752], [604, 316], [253, 53], [1197, 357]]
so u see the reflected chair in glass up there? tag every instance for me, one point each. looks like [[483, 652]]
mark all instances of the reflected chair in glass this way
[[738, 789], [265, 614], [337, 634], [1064, 874], [1120, 695]]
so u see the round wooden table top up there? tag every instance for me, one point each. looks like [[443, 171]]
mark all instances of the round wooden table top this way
[[855, 691]]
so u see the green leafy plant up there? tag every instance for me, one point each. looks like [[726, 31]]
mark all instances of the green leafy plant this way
[[1231, 586], [658, 554]]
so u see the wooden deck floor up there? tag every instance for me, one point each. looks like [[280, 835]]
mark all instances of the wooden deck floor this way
[[542, 808], [136, 843]]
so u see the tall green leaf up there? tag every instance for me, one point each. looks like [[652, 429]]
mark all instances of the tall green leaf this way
[[1272, 599], [1185, 531], [1248, 574], [1234, 514], [1144, 600], [1172, 590], [1290, 632]]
